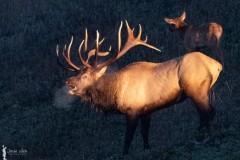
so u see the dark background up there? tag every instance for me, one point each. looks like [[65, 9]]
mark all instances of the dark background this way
[[36, 115]]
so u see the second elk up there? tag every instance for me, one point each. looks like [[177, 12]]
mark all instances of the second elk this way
[[143, 87], [196, 36]]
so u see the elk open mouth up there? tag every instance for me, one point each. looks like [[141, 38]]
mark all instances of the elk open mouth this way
[[72, 89]]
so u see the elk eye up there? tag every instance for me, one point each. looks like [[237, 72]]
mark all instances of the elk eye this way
[[84, 76]]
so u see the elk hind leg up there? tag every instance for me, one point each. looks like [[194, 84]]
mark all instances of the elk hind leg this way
[[199, 94], [206, 113]]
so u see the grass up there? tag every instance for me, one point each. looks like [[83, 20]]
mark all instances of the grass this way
[[34, 118]]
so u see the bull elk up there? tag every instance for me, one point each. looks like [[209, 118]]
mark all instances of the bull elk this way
[[196, 37], [143, 87]]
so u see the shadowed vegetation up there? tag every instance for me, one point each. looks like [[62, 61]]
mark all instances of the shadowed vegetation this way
[[37, 115]]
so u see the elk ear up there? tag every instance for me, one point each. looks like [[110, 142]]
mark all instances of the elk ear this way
[[169, 21], [183, 16], [100, 72]]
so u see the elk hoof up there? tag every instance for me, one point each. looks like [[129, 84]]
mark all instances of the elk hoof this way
[[201, 140]]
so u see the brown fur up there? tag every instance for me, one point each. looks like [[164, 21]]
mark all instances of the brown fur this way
[[143, 87], [102, 95], [196, 37]]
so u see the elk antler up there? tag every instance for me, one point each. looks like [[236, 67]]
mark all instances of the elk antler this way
[[131, 42]]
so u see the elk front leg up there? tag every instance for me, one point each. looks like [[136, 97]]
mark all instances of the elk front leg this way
[[131, 124], [145, 123]]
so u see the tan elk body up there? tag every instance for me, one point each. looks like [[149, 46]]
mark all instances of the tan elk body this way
[[144, 87], [196, 36]]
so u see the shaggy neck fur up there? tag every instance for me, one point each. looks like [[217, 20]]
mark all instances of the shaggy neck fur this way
[[102, 95]]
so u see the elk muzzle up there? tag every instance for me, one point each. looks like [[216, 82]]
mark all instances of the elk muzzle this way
[[72, 88]]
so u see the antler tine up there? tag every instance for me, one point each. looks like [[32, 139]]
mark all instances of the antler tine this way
[[60, 64], [140, 32], [96, 49], [86, 40], [67, 58], [119, 37], [80, 56], [69, 48], [101, 41]]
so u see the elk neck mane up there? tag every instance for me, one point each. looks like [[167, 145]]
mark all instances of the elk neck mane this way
[[102, 95]]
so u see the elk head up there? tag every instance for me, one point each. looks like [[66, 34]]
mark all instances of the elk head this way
[[177, 22], [90, 74]]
